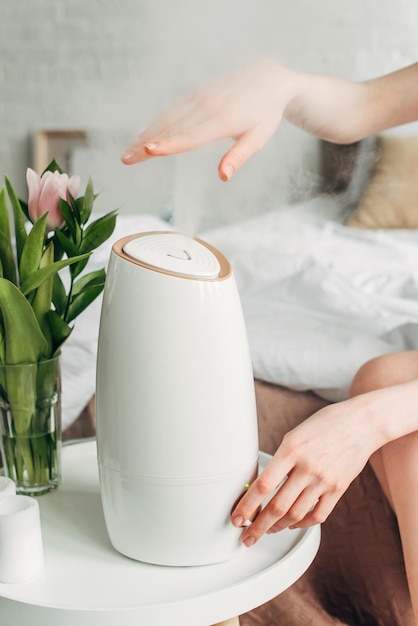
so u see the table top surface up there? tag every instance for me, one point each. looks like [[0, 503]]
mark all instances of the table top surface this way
[[85, 575]]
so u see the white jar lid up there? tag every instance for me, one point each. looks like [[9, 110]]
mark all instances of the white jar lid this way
[[175, 253]]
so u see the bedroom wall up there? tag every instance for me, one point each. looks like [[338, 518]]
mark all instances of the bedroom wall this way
[[108, 67]]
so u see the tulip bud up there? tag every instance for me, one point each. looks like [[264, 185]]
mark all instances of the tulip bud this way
[[45, 192]]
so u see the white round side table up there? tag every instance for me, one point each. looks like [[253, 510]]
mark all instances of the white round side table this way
[[86, 579]]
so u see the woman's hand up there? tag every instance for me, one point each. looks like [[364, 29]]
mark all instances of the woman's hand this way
[[246, 106], [320, 458]]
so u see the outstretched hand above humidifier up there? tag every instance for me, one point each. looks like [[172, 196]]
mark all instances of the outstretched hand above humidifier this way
[[248, 106]]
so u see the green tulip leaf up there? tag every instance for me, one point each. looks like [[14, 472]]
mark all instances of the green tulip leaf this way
[[32, 249], [6, 250], [41, 302], [4, 215], [59, 295], [67, 244], [77, 268], [98, 232], [89, 280], [52, 167], [25, 209], [86, 203], [37, 278], [24, 340], [19, 219], [75, 209], [2, 344], [70, 222], [82, 301], [60, 331], [7, 260]]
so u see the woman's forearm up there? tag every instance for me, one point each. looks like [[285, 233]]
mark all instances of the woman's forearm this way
[[344, 111], [390, 412]]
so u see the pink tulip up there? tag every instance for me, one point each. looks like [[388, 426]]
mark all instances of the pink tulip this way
[[45, 192]]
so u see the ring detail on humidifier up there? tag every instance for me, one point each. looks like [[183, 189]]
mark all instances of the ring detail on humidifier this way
[[176, 418], [174, 253]]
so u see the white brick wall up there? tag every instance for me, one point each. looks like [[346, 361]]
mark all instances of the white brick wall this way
[[109, 66]]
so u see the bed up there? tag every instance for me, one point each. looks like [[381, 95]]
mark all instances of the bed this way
[[326, 284]]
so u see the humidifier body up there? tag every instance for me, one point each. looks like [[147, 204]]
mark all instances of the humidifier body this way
[[176, 417]]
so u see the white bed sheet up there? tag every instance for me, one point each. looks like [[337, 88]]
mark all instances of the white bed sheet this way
[[319, 298]]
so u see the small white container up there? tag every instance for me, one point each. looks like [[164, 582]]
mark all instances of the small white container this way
[[21, 549], [7, 487], [176, 416]]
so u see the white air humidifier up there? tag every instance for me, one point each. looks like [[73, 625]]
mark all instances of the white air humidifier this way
[[176, 417]]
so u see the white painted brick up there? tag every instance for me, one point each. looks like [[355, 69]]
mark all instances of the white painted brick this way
[[109, 67]]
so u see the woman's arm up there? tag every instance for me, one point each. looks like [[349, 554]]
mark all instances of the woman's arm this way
[[322, 456], [343, 111], [248, 106]]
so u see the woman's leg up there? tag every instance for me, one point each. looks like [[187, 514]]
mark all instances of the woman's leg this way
[[396, 463]]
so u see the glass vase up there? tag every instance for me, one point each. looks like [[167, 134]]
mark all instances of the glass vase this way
[[30, 425]]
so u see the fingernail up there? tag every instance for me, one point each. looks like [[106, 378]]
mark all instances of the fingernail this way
[[152, 145], [128, 155], [249, 541], [228, 171], [238, 521]]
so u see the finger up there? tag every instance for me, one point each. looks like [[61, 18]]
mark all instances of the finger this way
[[319, 513], [235, 158], [263, 487], [177, 119], [165, 145], [297, 512], [278, 510], [136, 153], [244, 147]]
